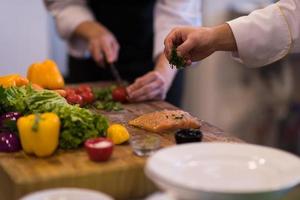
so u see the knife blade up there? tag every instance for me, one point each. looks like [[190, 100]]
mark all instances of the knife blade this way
[[115, 73]]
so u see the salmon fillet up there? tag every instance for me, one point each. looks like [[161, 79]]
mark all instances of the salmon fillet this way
[[166, 120]]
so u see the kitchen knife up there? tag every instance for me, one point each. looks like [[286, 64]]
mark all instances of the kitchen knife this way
[[115, 73]]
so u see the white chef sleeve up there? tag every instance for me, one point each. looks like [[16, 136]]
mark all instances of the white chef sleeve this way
[[269, 34], [171, 13], [68, 14]]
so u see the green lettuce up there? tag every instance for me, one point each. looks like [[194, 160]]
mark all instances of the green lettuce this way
[[77, 124]]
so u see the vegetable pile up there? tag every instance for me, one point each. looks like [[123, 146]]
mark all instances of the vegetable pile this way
[[176, 60], [81, 95], [77, 124], [109, 98], [37, 114]]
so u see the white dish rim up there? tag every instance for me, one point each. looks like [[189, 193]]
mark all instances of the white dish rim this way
[[151, 173]]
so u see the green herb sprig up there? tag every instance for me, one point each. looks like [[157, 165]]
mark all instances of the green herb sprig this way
[[176, 60]]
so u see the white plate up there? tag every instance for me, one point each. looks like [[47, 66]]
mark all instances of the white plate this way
[[159, 196], [67, 194], [224, 171]]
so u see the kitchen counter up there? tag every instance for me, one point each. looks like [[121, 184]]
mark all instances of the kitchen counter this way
[[121, 177]]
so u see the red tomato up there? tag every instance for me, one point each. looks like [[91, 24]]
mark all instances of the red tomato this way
[[70, 91], [99, 149], [75, 99], [83, 88], [87, 97], [119, 94]]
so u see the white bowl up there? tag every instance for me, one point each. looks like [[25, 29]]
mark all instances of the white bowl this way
[[67, 194], [222, 171]]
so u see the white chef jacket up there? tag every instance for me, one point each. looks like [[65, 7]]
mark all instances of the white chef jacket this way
[[167, 14], [269, 34]]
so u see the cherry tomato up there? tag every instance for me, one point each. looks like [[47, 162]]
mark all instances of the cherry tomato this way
[[87, 97], [75, 99], [83, 88], [70, 91], [119, 94]]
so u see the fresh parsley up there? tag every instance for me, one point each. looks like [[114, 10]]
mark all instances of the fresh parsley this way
[[176, 60]]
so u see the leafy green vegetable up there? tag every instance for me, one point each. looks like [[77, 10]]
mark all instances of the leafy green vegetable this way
[[14, 99], [104, 100], [175, 60], [108, 106], [77, 124], [104, 94]]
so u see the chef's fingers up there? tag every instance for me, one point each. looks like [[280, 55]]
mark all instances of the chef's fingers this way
[[160, 96], [115, 47], [108, 51], [153, 95], [96, 53], [188, 62], [146, 89], [140, 82], [170, 41], [184, 49], [168, 46]]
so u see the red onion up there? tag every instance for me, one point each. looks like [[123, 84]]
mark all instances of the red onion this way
[[9, 142], [8, 121]]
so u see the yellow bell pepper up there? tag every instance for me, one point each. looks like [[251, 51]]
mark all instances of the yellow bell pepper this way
[[13, 80], [39, 133], [117, 133], [46, 74]]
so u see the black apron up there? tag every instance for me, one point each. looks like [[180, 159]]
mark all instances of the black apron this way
[[131, 22]]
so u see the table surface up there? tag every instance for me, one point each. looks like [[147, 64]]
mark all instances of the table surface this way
[[121, 177]]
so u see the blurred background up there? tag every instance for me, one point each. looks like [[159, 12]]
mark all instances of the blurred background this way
[[258, 105]]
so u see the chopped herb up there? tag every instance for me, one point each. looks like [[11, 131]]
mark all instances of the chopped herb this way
[[108, 105], [104, 100], [175, 60], [178, 117], [103, 94]]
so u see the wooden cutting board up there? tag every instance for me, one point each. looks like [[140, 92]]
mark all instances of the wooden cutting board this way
[[121, 177]]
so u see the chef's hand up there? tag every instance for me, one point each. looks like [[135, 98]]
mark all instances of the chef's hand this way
[[151, 86], [102, 43], [195, 44]]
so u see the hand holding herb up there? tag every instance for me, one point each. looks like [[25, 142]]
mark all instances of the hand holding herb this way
[[176, 60]]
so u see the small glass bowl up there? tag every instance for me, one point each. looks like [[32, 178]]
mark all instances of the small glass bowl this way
[[145, 145]]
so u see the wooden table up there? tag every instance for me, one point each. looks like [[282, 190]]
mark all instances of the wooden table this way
[[121, 177]]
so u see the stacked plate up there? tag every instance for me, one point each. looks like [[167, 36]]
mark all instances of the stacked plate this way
[[222, 171], [67, 194]]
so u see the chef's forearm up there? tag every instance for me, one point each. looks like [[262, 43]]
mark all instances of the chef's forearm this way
[[68, 15], [223, 38], [268, 34], [163, 67]]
